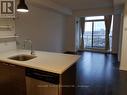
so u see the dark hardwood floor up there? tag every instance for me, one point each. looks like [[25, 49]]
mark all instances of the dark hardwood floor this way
[[99, 74]]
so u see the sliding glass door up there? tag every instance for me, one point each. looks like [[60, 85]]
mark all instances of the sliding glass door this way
[[88, 35], [94, 35], [98, 34]]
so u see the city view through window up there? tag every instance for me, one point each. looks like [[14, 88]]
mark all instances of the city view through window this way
[[94, 35]]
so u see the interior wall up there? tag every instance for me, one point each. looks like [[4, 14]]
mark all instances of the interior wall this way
[[70, 34], [77, 33], [93, 12], [116, 33], [44, 27], [120, 38], [123, 64]]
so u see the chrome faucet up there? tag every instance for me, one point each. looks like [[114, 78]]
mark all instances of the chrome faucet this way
[[31, 47]]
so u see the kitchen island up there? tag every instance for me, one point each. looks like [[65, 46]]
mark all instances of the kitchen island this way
[[52, 68]]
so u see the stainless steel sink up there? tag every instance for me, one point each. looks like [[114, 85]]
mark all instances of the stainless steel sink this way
[[22, 57]]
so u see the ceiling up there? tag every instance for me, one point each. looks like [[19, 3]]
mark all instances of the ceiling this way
[[119, 2], [84, 4], [67, 6]]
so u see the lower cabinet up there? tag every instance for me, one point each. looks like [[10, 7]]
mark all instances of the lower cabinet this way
[[68, 78], [47, 83], [18, 80], [39, 87], [12, 79]]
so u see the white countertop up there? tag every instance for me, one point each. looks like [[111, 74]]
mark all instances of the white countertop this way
[[46, 61]]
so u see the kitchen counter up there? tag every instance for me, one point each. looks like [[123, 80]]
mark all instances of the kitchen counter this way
[[46, 61]]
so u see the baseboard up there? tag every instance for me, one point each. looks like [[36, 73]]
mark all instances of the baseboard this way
[[74, 52], [95, 50]]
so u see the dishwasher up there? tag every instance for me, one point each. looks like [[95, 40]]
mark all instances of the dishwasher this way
[[41, 82]]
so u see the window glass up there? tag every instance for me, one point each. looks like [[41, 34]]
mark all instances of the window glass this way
[[99, 34], [99, 28], [94, 18], [88, 34]]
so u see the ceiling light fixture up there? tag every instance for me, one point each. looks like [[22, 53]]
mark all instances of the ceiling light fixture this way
[[22, 7]]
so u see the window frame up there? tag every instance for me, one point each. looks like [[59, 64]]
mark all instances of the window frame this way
[[93, 21]]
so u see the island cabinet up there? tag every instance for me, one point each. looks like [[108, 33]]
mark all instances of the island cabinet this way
[[12, 79], [68, 81], [47, 83], [40, 82], [18, 80]]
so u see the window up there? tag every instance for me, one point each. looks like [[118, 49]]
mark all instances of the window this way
[[94, 18], [94, 35]]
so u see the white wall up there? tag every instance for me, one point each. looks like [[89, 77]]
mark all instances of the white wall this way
[[116, 33], [70, 34], [123, 64], [44, 27], [120, 38], [93, 12]]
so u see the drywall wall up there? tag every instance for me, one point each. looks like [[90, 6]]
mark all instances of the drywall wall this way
[[123, 64], [70, 34], [44, 27], [93, 12], [77, 33], [116, 33], [120, 38], [51, 5]]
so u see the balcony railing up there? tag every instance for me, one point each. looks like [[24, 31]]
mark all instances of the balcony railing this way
[[98, 41]]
